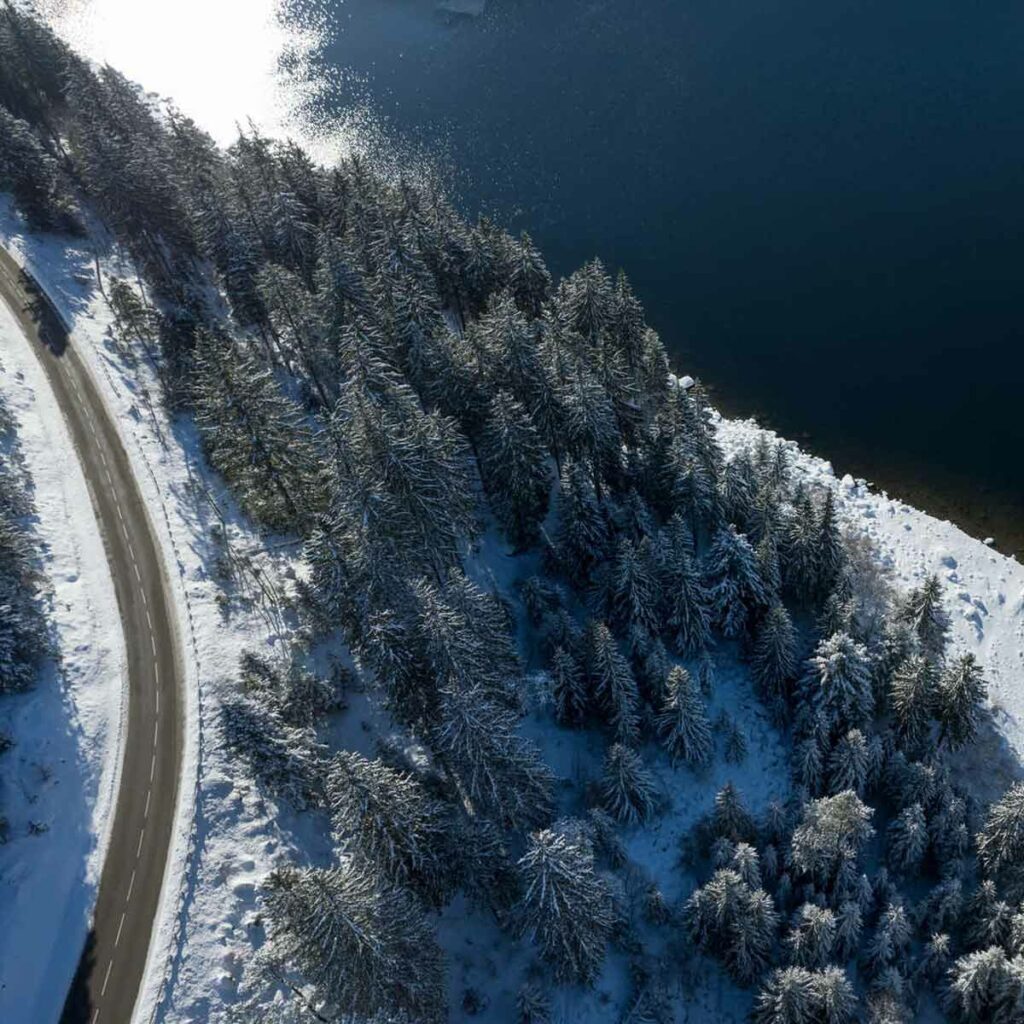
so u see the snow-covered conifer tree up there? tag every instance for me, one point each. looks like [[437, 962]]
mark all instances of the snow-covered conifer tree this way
[[907, 839], [254, 436], [281, 757], [933, 961], [986, 987], [958, 701], [923, 611], [849, 922], [849, 763], [612, 683], [833, 828], [727, 918], [513, 465], [682, 722], [566, 907], [1001, 841], [735, 588], [812, 937], [730, 819], [499, 772], [397, 828], [582, 527], [686, 613], [773, 658], [913, 697], [365, 946], [837, 683], [631, 597], [568, 688], [888, 943], [627, 787]]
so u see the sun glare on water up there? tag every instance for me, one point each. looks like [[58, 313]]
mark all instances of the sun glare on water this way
[[221, 61]]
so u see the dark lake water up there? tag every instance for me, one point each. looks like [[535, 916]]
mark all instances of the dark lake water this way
[[821, 204]]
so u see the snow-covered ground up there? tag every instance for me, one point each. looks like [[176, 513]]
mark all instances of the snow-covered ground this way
[[59, 780], [229, 837]]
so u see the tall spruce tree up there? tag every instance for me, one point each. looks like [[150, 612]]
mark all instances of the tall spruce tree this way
[[566, 906], [362, 943]]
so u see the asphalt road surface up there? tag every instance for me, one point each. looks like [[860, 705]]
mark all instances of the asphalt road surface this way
[[109, 974]]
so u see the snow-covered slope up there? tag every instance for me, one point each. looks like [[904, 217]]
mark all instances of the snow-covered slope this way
[[60, 778], [231, 837]]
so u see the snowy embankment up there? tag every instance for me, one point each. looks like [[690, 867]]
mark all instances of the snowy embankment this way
[[984, 594], [60, 777]]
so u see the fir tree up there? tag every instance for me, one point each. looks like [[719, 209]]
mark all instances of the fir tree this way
[[254, 436], [686, 614], [922, 610], [627, 787], [888, 944], [735, 743], [773, 658], [567, 688], [960, 694], [1001, 841], [811, 939], [682, 722], [735, 588], [908, 839], [796, 995], [396, 827], [280, 757], [364, 945], [612, 683], [499, 773], [727, 918], [837, 683], [632, 594], [933, 961], [912, 695], [512, 461], [566, 907], [849, 763], [582, 528], [986, 986], [833, 829], [730, 819], [849, 922]]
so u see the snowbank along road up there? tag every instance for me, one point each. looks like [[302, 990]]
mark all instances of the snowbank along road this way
[[112, 963]]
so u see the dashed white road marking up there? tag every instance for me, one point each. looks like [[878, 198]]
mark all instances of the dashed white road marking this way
[[131, 885], [156, 729], [152, 644], [145, 600], [152, 767], [95, 1015], [117, 937], [149, 621], [106, 978], [136, 568], [156, 673], [145, 813], [138, 849]]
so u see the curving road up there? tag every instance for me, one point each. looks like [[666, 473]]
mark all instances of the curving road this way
[[110, 970]]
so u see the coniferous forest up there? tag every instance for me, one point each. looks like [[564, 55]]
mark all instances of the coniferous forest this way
[[388, 382]]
